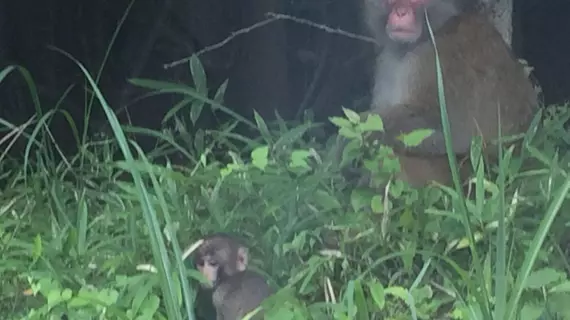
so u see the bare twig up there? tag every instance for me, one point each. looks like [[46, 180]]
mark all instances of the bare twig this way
[[223, 42], [325, 28], [272, 17]]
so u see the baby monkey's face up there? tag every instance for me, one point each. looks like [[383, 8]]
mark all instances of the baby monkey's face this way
[[220, 257], [209, 266]]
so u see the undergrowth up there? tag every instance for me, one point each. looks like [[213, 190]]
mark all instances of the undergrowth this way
[[100, 234]]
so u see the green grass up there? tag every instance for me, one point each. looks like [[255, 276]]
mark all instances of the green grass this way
[[75, 230]]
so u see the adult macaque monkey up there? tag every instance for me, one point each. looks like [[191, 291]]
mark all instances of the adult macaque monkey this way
[[483, 83], [223, 260]]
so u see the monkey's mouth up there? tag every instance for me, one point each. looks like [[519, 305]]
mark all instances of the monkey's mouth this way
[[402, 35]]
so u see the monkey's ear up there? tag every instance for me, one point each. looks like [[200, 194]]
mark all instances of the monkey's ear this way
[[242, 258]]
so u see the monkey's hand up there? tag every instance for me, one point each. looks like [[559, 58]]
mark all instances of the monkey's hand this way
[[403, 119]]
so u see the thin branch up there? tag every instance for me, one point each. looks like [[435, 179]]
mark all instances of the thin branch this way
[[223, 42], [273, 17], [322, 27]]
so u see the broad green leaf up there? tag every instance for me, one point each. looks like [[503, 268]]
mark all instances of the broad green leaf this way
[[377, 292], [416, 137], [351, 115], [259, 157], [373, 122], [543, 277], [377, 204], [299, 158], [340, 122]]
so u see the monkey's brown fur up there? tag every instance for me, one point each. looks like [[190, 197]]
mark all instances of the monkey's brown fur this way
[[483, 84], [236, 291], [240, 294], [225, 251]]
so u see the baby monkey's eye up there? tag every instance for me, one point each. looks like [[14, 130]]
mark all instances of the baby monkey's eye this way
[[213, 263]]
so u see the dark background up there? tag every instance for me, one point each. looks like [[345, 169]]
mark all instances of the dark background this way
[[284, 65]]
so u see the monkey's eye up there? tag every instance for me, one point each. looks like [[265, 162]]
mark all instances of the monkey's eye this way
[[199, 262], [213, 263]]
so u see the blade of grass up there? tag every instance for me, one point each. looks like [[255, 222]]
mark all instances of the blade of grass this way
[[483, 300], [157, 242]]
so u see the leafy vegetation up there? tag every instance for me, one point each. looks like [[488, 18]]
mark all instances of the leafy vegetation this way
[[77, 233]]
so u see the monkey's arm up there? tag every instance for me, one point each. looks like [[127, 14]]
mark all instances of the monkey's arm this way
[[403, 119]]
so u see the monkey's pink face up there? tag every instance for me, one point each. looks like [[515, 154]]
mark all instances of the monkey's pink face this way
[[402, 24], [409, 2]]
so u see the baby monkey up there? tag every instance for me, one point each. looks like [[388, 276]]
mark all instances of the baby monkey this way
[[223, 260]]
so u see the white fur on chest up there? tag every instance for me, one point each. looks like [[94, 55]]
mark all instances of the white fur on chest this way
[[392, 82]]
